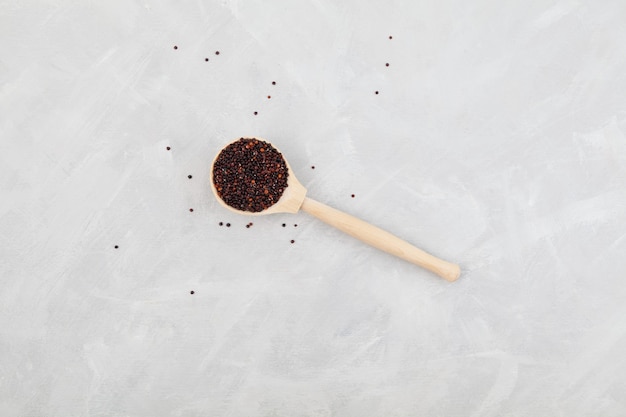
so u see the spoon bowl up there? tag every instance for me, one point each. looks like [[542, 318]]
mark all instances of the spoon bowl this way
[[289, 202], [294, 199]]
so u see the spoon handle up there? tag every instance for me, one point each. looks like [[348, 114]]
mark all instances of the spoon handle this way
[[380, 239]]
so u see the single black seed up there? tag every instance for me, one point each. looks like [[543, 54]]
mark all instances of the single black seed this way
[[273, 82], [227, 224], [192, 292], [191, 210], [221, 223], [168, 148], [292, 241], [256, 112], [295, 225], [284, 225], [116, 246], [217, 52], [352, 195], [375, 92], [206, 59], [247, 226], [390, 37], [189, 176], [312, 166], [175, 47], [269, 97], [387, 64]]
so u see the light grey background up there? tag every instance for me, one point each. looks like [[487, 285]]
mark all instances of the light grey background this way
[[497, 141]]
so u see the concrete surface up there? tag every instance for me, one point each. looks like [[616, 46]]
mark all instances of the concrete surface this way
[[497, 140]]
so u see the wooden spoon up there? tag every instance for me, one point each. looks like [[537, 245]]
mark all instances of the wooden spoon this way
[[294, 199]]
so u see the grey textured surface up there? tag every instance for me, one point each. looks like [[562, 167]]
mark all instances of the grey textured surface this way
[[497, 141]]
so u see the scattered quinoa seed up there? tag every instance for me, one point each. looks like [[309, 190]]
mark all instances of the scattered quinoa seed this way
[[284, 225], [175, 47], [192, 292], [273, 82], [292, 241], [217, 52], [116, 246], [221, 223], [227, 224], [189, 176], [352, 195], [168, 148]]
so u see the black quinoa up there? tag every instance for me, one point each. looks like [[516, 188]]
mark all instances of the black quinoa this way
[[250, 175]]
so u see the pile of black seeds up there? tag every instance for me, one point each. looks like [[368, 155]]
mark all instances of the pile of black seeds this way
[[250, 175]]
